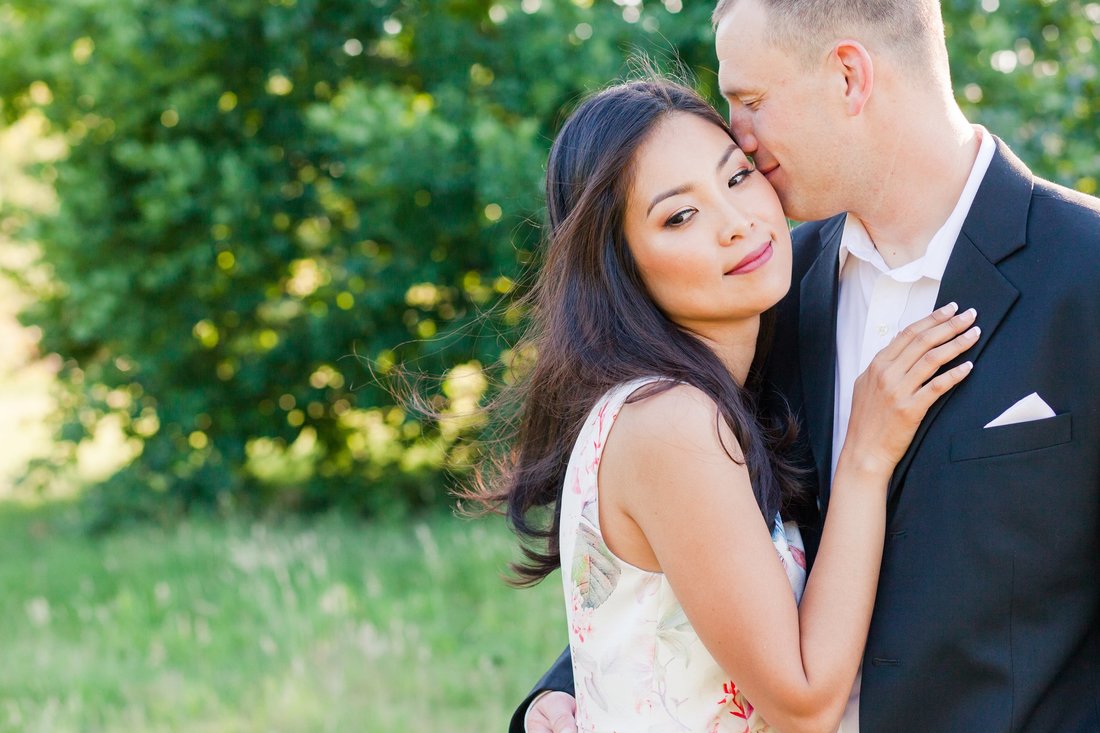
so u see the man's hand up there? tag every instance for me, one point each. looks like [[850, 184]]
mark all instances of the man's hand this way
[[553, 712]]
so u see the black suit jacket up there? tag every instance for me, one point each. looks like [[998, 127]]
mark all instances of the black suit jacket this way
[[988, 609]]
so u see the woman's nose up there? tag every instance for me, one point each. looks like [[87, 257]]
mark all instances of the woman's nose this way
[[736, 223]]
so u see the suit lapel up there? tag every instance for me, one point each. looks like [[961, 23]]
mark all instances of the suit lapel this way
[[817, 350], [995, 228]]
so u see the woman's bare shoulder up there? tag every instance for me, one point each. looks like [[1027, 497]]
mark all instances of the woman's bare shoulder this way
[[678, 420]]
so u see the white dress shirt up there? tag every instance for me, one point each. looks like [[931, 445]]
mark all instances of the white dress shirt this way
[[875, 303]]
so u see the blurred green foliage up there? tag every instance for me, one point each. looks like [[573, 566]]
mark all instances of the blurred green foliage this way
[[266, 204]]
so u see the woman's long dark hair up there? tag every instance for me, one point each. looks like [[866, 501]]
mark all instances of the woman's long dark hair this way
[[594, 326]]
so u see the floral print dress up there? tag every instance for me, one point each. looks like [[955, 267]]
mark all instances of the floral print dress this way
[[638, 665]]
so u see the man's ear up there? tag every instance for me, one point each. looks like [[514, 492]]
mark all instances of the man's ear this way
[[852, 61]]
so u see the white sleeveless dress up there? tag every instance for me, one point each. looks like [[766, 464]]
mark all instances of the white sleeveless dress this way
[[638, 665]]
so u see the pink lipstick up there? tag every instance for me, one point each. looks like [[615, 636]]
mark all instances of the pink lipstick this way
[[753, 260]]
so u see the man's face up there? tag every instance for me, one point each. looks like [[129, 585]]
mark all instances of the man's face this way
[[780, 114]]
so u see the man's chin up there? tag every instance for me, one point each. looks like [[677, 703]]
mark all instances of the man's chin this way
[[792, 207], [798, 208]]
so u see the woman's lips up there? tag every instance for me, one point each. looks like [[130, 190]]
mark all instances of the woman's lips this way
[[753, 260]]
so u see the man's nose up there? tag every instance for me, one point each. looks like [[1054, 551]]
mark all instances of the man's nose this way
[[741, 127]]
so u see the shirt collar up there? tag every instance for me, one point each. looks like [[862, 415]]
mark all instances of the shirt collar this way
[[857, 242]]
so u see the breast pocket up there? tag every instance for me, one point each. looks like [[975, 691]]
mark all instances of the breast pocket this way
[[1011, 439]]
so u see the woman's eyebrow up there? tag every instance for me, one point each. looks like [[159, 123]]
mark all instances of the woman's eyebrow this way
[[725, 157], [667, 195], [687, 187]]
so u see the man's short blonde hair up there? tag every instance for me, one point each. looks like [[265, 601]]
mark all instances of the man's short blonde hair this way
[[912, 30]]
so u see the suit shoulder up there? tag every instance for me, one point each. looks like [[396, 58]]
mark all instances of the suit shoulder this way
[[1064, 239], [808, 239], [1054, 203], [810, 232]]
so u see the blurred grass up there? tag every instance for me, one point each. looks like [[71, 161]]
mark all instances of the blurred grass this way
[[328, 625]]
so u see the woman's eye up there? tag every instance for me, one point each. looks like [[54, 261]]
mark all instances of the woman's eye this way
[[680, 218], [740, 176]]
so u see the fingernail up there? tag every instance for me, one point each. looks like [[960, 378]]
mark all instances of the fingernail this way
[[949, 308], [974, 332], [970, 313], [966, 366]]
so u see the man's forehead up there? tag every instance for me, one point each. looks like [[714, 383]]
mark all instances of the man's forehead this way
[[743, 56], [736, 80], [729, 43]]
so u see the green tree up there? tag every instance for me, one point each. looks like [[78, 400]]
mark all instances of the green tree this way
[[266, 203]]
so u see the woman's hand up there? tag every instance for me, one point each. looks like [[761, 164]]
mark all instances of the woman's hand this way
[[552, 712], [894, 394]]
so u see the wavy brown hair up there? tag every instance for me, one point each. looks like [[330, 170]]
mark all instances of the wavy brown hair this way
[[594, 325]]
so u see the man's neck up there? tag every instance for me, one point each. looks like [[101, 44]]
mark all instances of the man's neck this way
[[916, 192]]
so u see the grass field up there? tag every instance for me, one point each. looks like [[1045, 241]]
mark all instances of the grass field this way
[[328, 625]]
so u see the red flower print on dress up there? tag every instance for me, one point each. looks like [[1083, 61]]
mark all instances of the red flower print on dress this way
[[736, 704]]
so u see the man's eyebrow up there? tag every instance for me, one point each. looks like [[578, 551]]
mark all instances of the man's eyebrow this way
[[736, 92], [687, 187]]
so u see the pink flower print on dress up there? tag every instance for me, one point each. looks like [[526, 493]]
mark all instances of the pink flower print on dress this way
[[600, 418], [593, 466], [575, 484], [799, 556], [580, 618]]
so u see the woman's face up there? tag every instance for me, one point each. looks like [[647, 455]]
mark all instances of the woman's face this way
[[707, 232]]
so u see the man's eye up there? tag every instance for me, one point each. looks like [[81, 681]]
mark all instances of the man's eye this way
[[740, 176], [680, 218]]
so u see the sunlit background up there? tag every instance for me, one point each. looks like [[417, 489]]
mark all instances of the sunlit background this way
[[225, 227]]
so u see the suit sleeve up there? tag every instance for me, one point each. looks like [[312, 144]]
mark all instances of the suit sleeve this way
[[558, 678]]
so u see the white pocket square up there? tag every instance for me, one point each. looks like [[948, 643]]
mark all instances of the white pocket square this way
[[1028, 409]]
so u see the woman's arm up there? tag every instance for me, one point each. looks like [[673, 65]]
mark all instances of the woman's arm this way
[[673, 501]]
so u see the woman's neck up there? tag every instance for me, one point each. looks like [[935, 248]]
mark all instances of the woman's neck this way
[[734, 344]]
